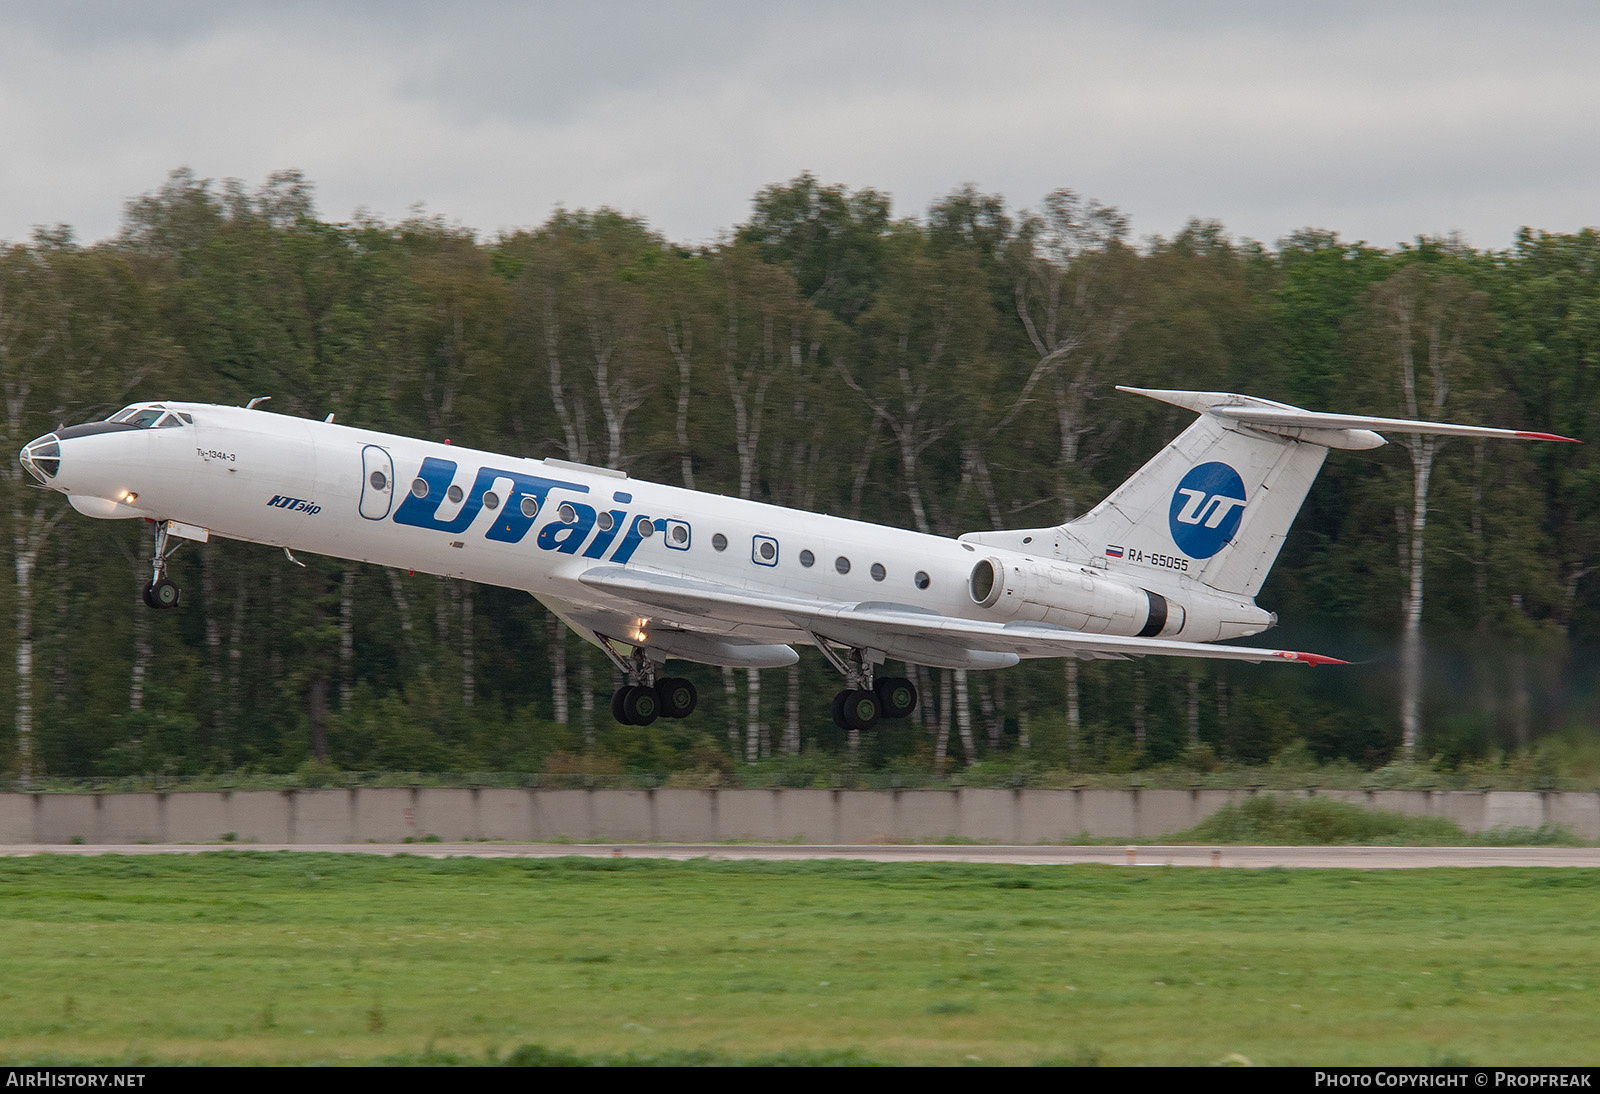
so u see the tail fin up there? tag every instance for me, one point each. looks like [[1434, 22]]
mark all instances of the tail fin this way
[[1216, 504]]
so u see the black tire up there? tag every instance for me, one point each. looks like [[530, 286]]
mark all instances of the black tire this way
[[164, 594], [640, 705], [677, 697], [617, 712], [861, 710], [149, 597], [838, 710], [896, 695]]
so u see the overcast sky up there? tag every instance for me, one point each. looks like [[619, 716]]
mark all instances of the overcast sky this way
[[1382, 121]]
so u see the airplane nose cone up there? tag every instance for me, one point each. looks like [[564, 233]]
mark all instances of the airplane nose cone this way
[[41, 458]]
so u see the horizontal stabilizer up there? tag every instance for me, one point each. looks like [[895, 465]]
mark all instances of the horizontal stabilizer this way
[[1263, 416], [1332, 430]]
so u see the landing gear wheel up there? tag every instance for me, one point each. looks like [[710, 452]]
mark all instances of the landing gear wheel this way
[[162, 593], [617, 711], [896, 695], [861, 710], [677, 697], [838, 710], [640, 706]]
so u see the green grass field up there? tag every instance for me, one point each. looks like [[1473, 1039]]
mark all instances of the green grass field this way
[[236, 957]]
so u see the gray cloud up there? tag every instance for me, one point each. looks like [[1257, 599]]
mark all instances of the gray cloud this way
[[1379, 121]]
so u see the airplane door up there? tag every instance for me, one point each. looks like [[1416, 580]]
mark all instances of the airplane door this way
[[377, 482]]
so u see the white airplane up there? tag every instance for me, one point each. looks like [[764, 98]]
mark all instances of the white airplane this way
[[1170, 562]]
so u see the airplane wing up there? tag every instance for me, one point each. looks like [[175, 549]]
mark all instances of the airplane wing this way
[[900, 631]]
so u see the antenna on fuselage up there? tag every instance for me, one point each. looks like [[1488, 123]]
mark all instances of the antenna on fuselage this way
[[251, 405]]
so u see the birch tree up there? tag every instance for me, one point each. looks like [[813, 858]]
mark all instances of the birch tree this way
[[1072, 294], [1427, 328]]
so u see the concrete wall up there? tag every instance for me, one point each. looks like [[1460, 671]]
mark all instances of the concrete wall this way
[[379, 815]]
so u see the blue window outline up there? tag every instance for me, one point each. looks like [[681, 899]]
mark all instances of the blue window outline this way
[[670, 538], [755, 551]]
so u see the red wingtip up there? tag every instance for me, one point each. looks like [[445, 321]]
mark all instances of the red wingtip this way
[[1310, 658], [1530, 436]]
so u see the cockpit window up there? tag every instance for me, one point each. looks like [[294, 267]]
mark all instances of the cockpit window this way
[[150, 417]]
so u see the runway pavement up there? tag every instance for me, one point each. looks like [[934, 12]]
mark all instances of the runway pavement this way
[[1340, 858]]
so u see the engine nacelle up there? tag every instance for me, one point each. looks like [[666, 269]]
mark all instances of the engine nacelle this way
[[1019, 587]]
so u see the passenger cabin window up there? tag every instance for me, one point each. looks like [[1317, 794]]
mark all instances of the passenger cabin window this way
[[922, 579], [807, 559], [878, 572], [842, 564], [719, 541]]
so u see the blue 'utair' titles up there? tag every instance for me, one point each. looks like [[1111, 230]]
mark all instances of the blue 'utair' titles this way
[[510, 523], [299, 505], [1206, 509]]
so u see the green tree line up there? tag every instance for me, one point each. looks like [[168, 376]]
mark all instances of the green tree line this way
[[944, 372]]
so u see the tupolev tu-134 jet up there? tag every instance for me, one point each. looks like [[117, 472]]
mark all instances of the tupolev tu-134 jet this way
[[1168, 564]]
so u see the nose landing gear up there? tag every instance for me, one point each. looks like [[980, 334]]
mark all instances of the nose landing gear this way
[[161, 592]]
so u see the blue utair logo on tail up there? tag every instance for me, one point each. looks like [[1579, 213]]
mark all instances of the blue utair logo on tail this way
[[1206, 509]]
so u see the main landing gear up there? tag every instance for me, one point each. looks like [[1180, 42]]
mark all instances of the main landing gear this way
[[161, 592], [641, 704], [864, 702], [643, 698]]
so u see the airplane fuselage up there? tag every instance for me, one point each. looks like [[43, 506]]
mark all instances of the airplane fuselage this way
[[1167, 564], [540, 525]]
